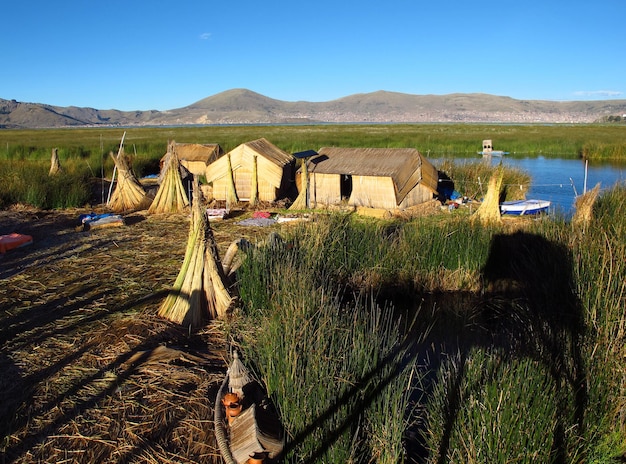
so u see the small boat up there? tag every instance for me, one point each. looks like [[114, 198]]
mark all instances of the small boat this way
[[524, 207], [489, 151], [247, 425]]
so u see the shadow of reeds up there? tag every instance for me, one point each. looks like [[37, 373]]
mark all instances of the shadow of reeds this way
[[526, 308], [41, 421]]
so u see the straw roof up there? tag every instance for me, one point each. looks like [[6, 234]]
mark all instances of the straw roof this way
[[270, 151], [207, 152], [405, 166]]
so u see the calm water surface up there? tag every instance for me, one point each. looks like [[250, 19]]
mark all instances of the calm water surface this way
[[559, 180]]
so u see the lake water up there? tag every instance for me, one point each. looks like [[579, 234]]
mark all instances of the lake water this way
[[559, 180]]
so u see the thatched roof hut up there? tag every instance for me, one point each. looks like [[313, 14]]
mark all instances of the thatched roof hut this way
[[259, 170], [196, 157], [383, 178]]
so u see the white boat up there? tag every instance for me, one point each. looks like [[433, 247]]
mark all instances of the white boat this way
[[524, 207], [493, 153]]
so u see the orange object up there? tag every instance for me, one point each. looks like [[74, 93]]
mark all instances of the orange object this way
[[230, 398], [257, 458], [8, 242], [232, 411]]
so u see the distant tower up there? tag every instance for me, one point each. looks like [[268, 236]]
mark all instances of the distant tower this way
[[487, 147]]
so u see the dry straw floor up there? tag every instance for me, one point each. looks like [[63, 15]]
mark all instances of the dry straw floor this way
[[80, 379]]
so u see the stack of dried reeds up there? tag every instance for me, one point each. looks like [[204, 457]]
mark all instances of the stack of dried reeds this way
[[231, 195], [199, 291], [171, 196], [584, 207], [128, 195], [254, 184], [55, 165], [301, 201], [489, 209]]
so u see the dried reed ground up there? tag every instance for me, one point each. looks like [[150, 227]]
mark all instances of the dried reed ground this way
[[75, 308], [77, 323]]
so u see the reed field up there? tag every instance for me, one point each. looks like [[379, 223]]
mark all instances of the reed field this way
[[84, 153], [418, 339], [478, 356]]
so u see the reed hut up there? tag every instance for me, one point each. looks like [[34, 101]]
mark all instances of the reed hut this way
[[195, 157], [253, 171], [384, 178]]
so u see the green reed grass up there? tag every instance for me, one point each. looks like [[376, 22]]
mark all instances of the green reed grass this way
[[30, 183], [306, 319], [472, 178], [503, 411], [334, 361], [433, 140], [600, 254]]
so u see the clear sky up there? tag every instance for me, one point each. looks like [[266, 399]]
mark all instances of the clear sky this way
[[141, 55]]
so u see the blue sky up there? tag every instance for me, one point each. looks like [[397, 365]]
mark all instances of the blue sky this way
[[139, 55]]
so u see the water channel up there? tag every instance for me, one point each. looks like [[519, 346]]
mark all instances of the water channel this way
[[560, 180]]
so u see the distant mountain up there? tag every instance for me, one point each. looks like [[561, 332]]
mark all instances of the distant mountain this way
[[241, 106]]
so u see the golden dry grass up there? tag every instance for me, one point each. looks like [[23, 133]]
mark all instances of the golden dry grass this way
[[75, 307]]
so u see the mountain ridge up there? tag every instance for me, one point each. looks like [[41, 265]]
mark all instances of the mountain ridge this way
[[243, 106]]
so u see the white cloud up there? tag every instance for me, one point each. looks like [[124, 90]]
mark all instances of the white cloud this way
[[598, 93], [205, 36]]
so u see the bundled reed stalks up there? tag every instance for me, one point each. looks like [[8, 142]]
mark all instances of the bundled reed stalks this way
[[489, 209], [301, 201], [128, 195], [199, 292], [171, 196], [254, 187], [231, 195], [55, 165], [584, 207]]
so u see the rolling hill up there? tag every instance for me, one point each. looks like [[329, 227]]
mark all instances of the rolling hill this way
[[241, 106]]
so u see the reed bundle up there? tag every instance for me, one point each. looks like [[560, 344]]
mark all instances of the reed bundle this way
[[128, 195], [301, 201], [199, 291], [489, 209], [229, 263], [231, 195], [254, 187], [55, 165], [584, 207], [171, 196]]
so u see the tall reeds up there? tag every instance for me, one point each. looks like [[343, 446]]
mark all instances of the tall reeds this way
[[337, 364], [600, 271], [530, 371]]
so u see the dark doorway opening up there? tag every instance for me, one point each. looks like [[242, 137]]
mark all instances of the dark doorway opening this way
[[345, 186]]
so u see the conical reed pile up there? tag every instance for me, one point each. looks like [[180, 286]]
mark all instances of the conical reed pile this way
[[231, 195], [199, 291], [128, 195], [584, 207], [489, 209], [55, 165], [301, 201], [171, 196]]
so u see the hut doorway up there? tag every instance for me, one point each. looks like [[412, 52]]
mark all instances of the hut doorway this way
[[345, 186]]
